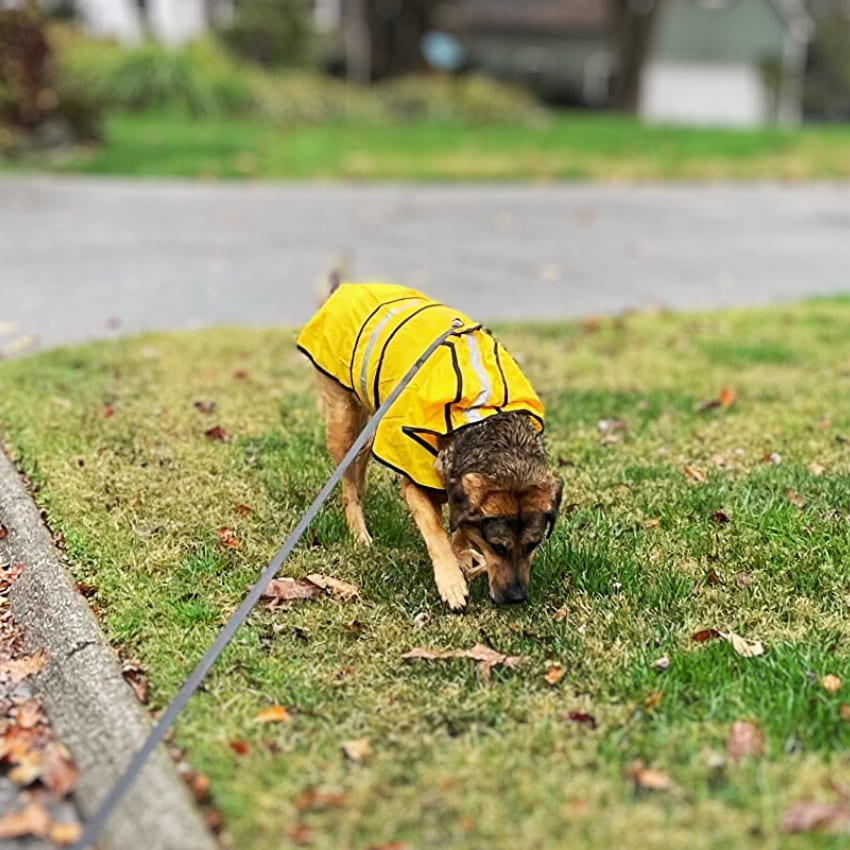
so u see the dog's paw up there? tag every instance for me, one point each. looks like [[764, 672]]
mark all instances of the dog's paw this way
[[451, 585], [363, 538]]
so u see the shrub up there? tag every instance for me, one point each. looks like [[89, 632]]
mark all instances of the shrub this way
[[271, 33], [199, 79]]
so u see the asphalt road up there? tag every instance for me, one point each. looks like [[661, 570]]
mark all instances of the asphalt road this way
[[83, 258]]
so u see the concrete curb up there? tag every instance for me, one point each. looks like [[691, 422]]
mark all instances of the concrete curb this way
[[91, 707]]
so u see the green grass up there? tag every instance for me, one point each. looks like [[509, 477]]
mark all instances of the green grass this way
[[637, 564], [570, 146]]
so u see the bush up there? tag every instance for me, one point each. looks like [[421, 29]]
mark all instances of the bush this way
[[199, 79], [37, 107], [826, 88], [270, 33]]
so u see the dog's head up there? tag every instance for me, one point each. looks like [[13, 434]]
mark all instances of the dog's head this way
[[506, 525]]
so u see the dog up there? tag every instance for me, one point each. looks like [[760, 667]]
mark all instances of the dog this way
[[467, 431]]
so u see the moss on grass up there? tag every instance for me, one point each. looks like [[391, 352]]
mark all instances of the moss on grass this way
[[113, 442]]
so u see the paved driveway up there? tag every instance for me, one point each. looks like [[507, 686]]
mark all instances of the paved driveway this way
[[83, 258]]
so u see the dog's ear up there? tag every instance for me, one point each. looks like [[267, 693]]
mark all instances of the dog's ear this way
[[557, 491], [465, 495], [544, 498]]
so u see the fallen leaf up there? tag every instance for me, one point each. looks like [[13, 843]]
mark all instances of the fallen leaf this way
[[611, 431], [301, 834], [582, 718], [719, 460], [744, 647], [646, 778], [217, 433], [554, 674], [240, 374], [816, 469], [844, 711], [340, 589], [486, 657], [720, 517], [653, 522], [64, 834], [241, 748], [227, 538], [652, 701], [205, 406], [287, 589], [712, 578], [809, 815], [33, 819], [4, 532], [357, 749], [772, 457], [200, 785], [661, 664], [743, 578], [745, 740], [795, 498], [591, 324], [727, 397], [134, 676], [705, 634], [28, 714], [59, 773], [561, 614], [313, 799], [108, 411], [695, 474], [243, 510], [18, 669], [275, 714], [831, 683]]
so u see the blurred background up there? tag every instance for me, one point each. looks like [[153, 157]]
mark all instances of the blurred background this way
[[673, 114]]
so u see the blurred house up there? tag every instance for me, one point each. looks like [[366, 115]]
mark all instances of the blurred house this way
[[733, 62], [169, 21]]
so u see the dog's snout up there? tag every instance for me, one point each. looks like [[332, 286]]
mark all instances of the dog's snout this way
[[512, 593]]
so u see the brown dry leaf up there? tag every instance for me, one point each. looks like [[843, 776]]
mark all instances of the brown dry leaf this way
[[705, 634], [772, 457], [135, 678], [286, 589], [241, 748], [301, 834], [745, 740], [646, 778], [582, 718], [653, 522], [59, 773], [243, 510], [217, 433], [653, 701], [719, 460], [795, 498], [808, 815], [727, 397], [695, 474], [227, 538], [108, 411], [4, 532], [17, 669], [64, 834], [28, 767], [313, 799], [816, 468], [745, 648], [275, 714], [561, 614], [720, 517], [486, 657], [31, 820], [831, 683], [357, 749], [554, 674], [28, 714], [204, 406], [339, 589]]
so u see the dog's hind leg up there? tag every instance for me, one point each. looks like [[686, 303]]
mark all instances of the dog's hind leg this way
[[344, 420], [451, 585]]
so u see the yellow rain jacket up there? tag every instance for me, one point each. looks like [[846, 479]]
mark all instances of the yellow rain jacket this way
[[367, 335]]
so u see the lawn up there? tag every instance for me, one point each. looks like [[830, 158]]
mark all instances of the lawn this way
[[569, 146], [735, 518]]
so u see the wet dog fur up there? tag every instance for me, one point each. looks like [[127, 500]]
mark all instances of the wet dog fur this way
[[502, 497]]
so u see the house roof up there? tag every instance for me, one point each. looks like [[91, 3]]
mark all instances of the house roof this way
[[559, 15]]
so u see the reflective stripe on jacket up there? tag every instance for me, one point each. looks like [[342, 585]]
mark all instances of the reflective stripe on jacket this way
[[367, 335]]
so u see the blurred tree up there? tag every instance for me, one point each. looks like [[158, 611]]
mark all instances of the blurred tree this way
[[826, 87], [383, 38], [634, 25], [35, 109], [272, 33]]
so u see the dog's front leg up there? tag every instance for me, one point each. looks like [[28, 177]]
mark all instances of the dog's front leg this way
[[451, 585]]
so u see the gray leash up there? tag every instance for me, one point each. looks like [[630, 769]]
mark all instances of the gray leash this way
[[96, 822]]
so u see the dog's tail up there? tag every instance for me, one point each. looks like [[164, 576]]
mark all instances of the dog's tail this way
[[337, 272]]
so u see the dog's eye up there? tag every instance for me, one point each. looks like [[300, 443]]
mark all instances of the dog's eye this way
[[499, 550]]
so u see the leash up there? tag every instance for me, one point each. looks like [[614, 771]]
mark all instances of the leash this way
[[95, 823]]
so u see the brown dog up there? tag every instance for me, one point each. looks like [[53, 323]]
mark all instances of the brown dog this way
[[467, 430]]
